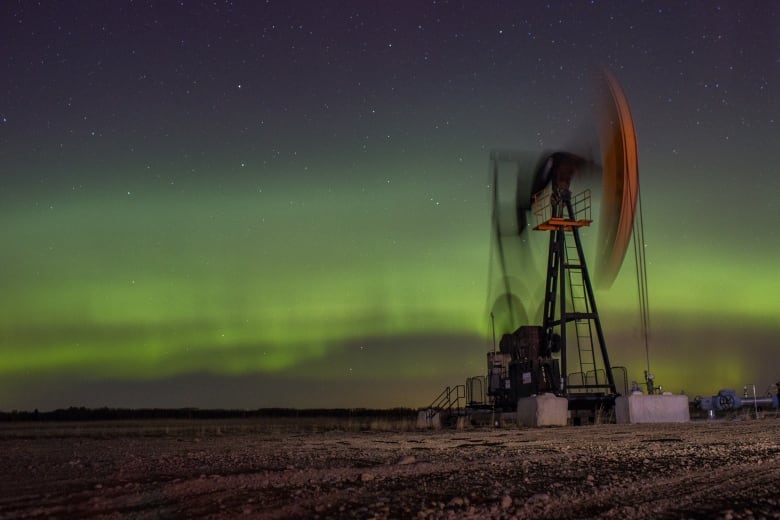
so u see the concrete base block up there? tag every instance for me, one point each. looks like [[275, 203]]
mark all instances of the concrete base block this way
[[429, 419], [464, 423], [542, 410], [641, 408]]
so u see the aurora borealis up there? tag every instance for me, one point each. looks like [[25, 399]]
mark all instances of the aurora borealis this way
[[255, 204]]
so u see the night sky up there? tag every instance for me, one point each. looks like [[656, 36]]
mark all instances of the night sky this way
[[286, 203]]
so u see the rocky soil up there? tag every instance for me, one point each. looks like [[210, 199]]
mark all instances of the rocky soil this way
[[223, 469]]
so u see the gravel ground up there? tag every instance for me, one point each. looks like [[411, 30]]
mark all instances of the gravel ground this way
[[223, 469]]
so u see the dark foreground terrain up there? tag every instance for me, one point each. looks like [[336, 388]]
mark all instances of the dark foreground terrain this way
[[228, 468]]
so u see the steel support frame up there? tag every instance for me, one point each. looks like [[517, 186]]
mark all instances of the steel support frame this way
[[555, 294]]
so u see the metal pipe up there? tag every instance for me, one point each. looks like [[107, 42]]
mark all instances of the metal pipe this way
[[757, 401]]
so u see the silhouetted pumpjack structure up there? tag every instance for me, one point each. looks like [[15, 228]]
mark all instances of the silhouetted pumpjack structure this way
[[562, 217], [537, 359]]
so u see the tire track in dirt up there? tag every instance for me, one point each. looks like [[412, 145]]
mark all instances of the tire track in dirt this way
[[728, 470], [665, 496]]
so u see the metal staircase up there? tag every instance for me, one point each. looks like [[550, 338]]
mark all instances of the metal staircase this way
[[451, 401]]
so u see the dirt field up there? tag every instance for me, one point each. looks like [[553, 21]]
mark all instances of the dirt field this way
[[183, 469]]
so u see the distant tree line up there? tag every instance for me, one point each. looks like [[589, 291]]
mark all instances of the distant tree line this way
[[110, 414]]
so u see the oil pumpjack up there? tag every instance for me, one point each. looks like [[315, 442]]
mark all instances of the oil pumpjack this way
[[525, 365], [566, 355]]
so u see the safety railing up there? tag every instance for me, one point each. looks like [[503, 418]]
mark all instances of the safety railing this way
[[451, 398], [476, 390], [542, 207]]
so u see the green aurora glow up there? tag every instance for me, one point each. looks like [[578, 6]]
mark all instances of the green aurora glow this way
[[250, 237], [262, 283]]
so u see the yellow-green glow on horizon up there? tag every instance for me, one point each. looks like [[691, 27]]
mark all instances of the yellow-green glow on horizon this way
[[113, 291], [104, 299], [259, 203]]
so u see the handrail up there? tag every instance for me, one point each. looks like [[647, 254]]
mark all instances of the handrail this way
[[478, 383], [448, 399], [586, 378], [623, 371], [542, 208]]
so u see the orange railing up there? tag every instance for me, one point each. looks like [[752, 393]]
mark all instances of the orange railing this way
[[543, 209]]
